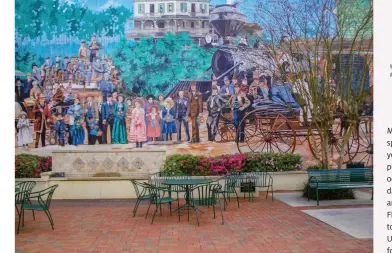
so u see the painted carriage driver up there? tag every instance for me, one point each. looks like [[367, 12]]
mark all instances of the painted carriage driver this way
[[42, 120], [196, 110], [239, 103], [214, 105]]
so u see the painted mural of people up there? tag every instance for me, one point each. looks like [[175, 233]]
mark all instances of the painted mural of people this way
[[94, 48], [137, 131], [214, 105], [35, 92], [182, 114], [95, 132], [227, 89], [82, 50], [119, 133], [28, 85], [24, 134], [42, 116], [76, 123], [153, 124], [161, 105], [36, 74], [105, 86], [107, 119], [168, 116], [196, 110], [239, 103], [19, 91], [60, 130]]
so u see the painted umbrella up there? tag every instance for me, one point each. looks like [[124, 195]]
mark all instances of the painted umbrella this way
[[19, 73]]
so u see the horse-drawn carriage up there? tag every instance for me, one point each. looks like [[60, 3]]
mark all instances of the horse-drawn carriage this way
[[271, 126]]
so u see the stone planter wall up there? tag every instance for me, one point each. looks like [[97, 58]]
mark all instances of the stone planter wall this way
[[122, 188]]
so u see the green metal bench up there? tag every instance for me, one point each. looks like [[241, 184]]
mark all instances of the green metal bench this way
[[339, 179]]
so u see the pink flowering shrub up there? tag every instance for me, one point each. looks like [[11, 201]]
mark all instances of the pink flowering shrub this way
[[222, 165]]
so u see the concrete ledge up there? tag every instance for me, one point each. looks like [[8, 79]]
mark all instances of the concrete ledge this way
[[122, 188]]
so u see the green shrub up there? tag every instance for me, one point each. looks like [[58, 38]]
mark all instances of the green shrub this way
[[31, 166], [206, 166], [334, 194]]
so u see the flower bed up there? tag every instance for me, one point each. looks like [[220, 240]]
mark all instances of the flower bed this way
[[221, 165], [31, 166]]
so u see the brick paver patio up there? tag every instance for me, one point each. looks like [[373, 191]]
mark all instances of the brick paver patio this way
[[108, 226]]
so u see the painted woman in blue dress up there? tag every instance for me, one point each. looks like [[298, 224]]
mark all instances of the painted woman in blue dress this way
[[75, 120], [168, 116]]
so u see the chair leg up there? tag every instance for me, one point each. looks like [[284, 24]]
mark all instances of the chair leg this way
[[170, 204], [309, 193], [50, 218], [272, 192], [266, 196], [197, 217], [188, 213], [213, 208], [148, 209], [220, 206], [33, 214], [160, 209], [238, 200], [372, 193], [153, 217], [317, 196], [20, 217], [136, 207], [225, 201], [178, 210], [17, 210]]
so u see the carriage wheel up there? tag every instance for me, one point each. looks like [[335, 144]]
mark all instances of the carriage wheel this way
[[266, 131], [226, 130], [365, 141], [335, 142]]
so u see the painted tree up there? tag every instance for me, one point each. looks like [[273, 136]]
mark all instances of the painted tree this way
[[152, 67], [317, 43]]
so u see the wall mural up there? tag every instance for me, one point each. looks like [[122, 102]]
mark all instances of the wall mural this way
[[188, 78]]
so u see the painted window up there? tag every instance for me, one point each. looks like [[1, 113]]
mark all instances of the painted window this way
[[141, 8], [161, 8], [170, 8], [184, 7], [203, 8]]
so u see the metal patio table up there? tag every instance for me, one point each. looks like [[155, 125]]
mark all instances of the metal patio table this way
[[186, 183]]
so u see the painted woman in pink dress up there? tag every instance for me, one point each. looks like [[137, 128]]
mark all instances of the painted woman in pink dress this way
[[137, 131], [153, 123]]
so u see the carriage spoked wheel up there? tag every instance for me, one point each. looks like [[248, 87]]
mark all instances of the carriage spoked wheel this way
[[266, 130], [334, 143], [226, 130], [364, 134]]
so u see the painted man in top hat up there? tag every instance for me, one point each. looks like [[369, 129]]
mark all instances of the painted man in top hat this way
[[214, 105], [94, 47], [19, 91], [47, 64], [107, 119], [196, 110], [64, 67], [181, 107], [91, 111]]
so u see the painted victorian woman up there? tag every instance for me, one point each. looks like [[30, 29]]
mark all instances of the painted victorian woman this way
[[76, 120], [119, 134], [168, 116], [24, 135], [161, 105], [153, 124], [137, 131]]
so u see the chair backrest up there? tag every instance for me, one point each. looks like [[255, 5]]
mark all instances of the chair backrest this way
[[206, 194], [343, 176], [45, 196], [260, 178], [155, 192], [231, 181], [26, 186], [159, 178], [139, 186]]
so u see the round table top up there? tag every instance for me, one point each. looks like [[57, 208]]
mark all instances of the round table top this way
[[187, 181]]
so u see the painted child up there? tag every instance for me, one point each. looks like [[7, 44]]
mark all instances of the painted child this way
[[153, 126], [137, 131], [76, 119], [119, 133], [24, 135], [95, 132], [60, 130], [168, 116]]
